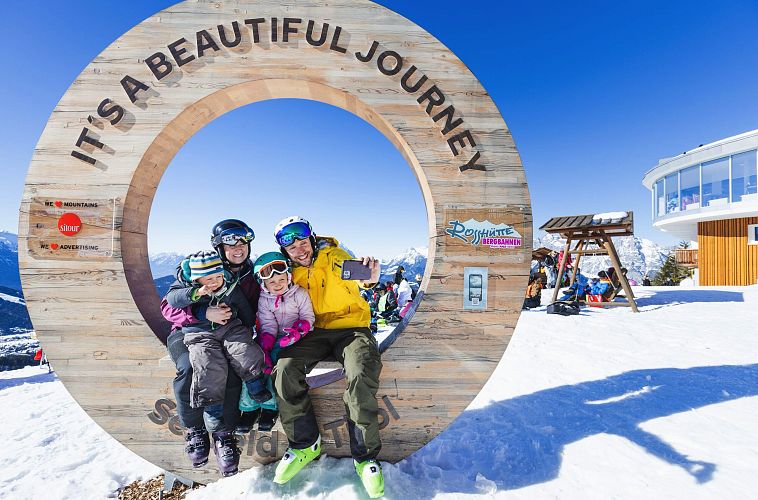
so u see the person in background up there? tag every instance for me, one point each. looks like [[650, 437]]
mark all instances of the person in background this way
[[551, 271], [404, 293], [568, 261], [579, 290], [533, 295], [398, 274], [386, 305]]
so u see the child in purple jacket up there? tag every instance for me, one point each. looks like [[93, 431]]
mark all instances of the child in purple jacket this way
[[285, 315]]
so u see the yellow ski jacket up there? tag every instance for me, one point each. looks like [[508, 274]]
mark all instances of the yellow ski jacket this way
[[337, 303]]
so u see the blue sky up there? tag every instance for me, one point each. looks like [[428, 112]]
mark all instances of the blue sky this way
[[594, 94]]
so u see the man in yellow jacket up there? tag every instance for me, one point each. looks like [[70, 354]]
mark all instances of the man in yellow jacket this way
[[341, 331]]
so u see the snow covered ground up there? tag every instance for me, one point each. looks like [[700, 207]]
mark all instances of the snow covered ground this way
[[607, 404], [52, 449]]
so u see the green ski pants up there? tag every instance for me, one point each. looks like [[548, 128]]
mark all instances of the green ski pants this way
[[357, 350]]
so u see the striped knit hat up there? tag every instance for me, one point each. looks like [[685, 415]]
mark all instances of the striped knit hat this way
[[204, 264]]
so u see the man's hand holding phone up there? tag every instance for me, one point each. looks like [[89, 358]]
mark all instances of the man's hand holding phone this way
[[365, 270], [376, 269]]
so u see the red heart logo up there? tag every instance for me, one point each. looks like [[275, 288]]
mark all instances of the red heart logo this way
[[54, 246], [59, 204]]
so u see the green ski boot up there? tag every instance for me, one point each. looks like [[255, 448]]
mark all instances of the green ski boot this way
[[294, 460], [371, 476]]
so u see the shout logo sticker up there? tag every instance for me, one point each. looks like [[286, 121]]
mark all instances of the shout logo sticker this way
[[69, 224]]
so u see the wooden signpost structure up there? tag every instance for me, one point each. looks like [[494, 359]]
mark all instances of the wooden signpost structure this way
[[94, 173], [592, 236]]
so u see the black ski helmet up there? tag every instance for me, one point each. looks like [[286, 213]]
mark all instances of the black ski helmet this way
[[230, 227]]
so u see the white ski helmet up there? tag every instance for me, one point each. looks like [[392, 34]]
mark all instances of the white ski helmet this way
[[294, 228], [299, 228]]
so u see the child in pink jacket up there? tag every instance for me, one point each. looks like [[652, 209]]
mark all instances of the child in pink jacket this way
[[285, 314]]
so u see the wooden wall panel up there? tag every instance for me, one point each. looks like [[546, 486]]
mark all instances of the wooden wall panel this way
[[725, 258], [96, 309]]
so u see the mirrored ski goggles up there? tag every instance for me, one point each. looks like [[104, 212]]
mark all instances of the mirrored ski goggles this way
[[291, 232], [233, 236], [272, 268]]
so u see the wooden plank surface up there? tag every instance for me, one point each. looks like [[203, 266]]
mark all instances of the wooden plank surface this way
[[572, 223], [97, 316], [724, 256]]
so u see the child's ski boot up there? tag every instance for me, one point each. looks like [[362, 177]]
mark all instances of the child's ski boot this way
[[246, 422], [267, 420], [227, 453], [198, 446]]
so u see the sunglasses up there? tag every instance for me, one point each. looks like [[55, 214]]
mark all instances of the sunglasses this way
[[291, 232], [233, 236], [272, 268]]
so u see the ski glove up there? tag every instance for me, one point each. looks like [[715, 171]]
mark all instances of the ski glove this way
[[266, 341], [298, 330]]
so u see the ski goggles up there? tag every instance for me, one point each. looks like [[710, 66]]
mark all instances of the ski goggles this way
[[291, 232], [233, 236], [272, 268]]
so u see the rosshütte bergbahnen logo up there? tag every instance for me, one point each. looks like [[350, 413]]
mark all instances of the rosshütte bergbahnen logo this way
[[69, 224]]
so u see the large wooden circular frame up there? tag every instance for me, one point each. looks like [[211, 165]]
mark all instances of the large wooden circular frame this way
[[89, 190]]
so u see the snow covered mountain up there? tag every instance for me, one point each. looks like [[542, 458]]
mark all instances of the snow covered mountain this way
[[164, 264], [161, 264], [639, 255], [17, 342], [413, 260], [13, 314], [17, 349], [17, 345], [9, 261]]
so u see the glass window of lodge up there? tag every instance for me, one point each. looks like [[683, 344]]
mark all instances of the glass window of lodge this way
[[743, 175], [690, 182], [672, 192], [716, 182], [752, 234], [660, 204]]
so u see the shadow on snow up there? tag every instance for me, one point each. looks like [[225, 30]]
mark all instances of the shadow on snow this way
[[520, 441], [31, 379], [679, 296]]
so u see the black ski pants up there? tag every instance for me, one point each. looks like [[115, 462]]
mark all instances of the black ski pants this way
[[193, 417]]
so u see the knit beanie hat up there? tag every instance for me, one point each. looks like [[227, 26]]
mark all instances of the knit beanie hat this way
[[204, 264]]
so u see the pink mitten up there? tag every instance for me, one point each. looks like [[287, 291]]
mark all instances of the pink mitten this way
[[296, 332], [268, 365], [266, 342]]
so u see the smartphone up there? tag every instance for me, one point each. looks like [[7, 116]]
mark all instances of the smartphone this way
[[355, 270]]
